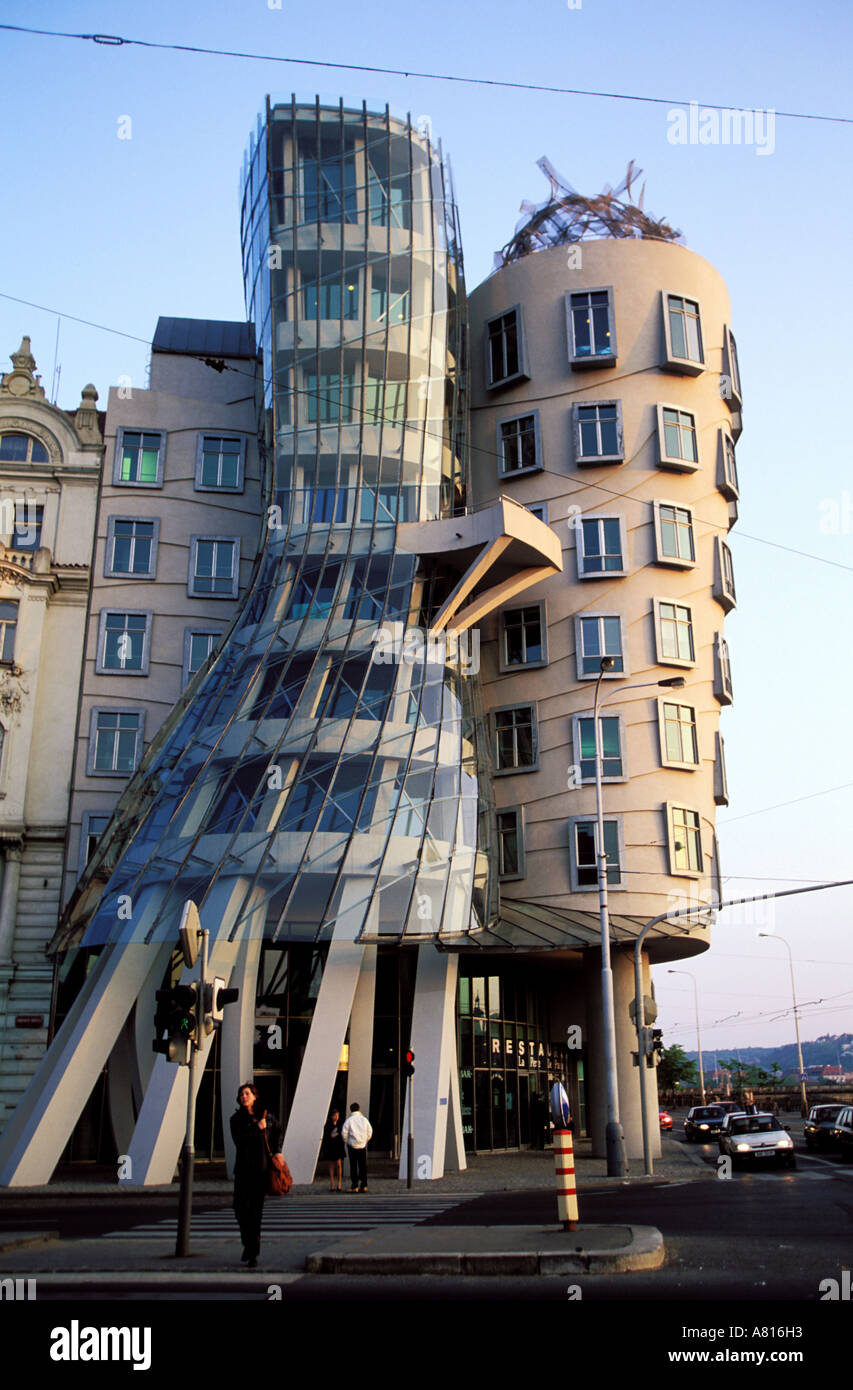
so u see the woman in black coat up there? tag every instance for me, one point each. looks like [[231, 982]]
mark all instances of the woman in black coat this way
[[334, 1150], [256, 1133]]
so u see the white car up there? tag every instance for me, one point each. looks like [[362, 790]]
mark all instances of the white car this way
[[757, 1139]]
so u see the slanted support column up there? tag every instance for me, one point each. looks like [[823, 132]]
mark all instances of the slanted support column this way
[[361, 1033], [438, 1114]]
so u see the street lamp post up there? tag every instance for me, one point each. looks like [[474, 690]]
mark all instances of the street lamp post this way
[[803, 1095], [617, 1165], [698, 1033]]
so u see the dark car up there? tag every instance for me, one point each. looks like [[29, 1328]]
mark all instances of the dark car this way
[[844, 1132], [703, 1121], [819, 1128], [758, 1139]]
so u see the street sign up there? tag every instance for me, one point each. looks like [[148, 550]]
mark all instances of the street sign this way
[[560, 1110]]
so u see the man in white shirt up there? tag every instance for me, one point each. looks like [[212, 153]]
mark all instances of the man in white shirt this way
[[356, 1133]]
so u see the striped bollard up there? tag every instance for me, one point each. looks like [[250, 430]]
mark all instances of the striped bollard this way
[[564, 1168]]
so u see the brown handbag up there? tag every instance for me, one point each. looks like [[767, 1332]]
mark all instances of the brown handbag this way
[[279, 1180]]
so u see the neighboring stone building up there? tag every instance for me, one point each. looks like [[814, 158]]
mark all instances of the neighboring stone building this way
[[50, 466]]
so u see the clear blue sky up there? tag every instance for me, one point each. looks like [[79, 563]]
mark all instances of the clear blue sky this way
[[121, 230]]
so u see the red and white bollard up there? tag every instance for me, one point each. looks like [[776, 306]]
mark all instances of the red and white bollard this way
[[564, 1168]]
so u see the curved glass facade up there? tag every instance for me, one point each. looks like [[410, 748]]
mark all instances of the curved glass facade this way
[[327, 764]]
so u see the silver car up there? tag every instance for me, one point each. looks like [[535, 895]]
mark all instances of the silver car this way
[[757, 1139]]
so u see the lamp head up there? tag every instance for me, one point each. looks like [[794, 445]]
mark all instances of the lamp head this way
[[607, 663], [674, 682]]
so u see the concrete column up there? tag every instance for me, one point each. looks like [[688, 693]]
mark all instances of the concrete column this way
[[438, 1114], [361, 1034], [12, 855], [627, 1077], [237, 1044]]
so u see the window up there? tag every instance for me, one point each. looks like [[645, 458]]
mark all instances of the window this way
[[94, 825], [601, 548], [123, 642], [722, 671], [330, 299], [730, 385], [596, 637], [683, 335], [21, 448], [677, 439], [674, 535], [198, 644], [678, 740], [139, 458], [592, 335], [26, 534], [584, 871], [504, 348], [518, 445], [214, 567], [324, 505], [511, 843], [724, 578], [8, 627], [131, 547], [328, 397], [523, 637], [220, 463], [314, 590], [329, 187], [674, 624], [597, 432], [515, 739], [721, 784], [685, 840], [611, 736], [539, 510], [383, 506], [115, 742], [727, 470]]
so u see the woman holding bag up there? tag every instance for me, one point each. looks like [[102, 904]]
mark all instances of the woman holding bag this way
[[257, 1136]]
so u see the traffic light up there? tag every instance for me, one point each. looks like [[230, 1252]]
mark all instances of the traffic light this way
[[656, 1049], [176, 1015], [409, 1064], [216, 996], [187, 998]]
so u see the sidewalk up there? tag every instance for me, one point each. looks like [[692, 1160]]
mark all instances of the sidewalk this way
[[128, 1264]]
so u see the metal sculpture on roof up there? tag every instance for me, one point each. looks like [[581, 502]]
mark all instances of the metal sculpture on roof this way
[[567, 217]]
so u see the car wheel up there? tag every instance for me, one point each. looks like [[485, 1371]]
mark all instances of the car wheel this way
[[791, 1163]]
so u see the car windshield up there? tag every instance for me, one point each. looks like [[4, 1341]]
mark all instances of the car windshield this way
[[755, 1124], [825, 1112], [707, 1112]]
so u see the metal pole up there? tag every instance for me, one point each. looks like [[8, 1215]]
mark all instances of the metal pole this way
[[410, 1149], [185, 1202], [617, 1166], [640, 1022]]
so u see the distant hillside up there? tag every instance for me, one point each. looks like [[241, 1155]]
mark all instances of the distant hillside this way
[[832, 1048]]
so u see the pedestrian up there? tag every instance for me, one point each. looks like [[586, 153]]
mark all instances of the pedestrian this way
[[356, 1134], [257, 1135], [333, 1150]]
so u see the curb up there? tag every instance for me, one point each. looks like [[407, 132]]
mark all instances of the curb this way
[[81, 1281], [644, 1250], [18, 1241]]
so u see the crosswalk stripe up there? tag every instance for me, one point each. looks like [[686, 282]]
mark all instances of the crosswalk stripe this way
[[308, 1218]]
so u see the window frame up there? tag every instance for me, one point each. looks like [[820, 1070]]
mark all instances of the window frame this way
[[534, 727], [536, 467], [239, 486], [675, 871], [109, 571], [598, 359], [673, 462], [607, 675], [143, 669], [722, 670], [121, 431], [535, 507], [684, 366], [665, 759], [189, 634], [727, 479], [724, 575], [94, 713], [523, 373], [619, 716], [574, 867], [671, 561], [234, 542], [580, 554], [38, 524], [734, 400], [518, 812], [596, 460], [506, 667], [721, 781], [88, 817], [9, 660], [682, 662]]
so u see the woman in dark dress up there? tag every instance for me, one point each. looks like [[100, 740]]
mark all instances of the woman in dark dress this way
[[334, 1150], [256, 1133]]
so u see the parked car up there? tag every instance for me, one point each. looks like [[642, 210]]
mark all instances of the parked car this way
[[665, 1119], [731, 1107], [758, 1139], [819, 1128], [702, 1122], [844, 1130]]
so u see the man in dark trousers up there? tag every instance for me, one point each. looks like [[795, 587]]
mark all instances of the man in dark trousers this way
[[356, 1133]]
